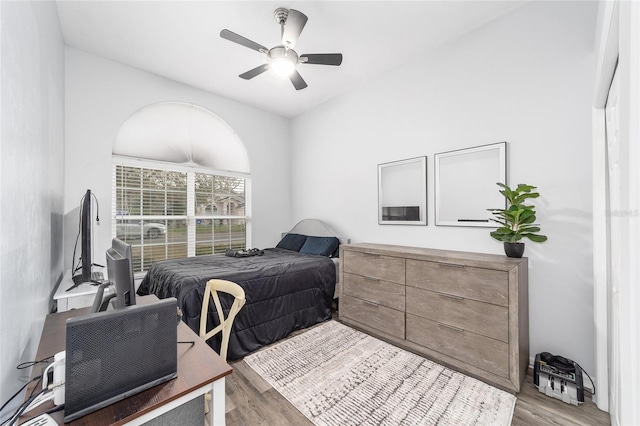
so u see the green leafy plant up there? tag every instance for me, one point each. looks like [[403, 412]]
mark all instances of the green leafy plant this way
[[517, 219]]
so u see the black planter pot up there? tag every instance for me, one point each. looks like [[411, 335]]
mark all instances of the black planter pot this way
[[514, 249]]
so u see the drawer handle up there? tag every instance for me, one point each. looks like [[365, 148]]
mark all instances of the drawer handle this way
[[366, 302], [375, 280], [451, 265], [370, 255], [450, 296], [451, 327]]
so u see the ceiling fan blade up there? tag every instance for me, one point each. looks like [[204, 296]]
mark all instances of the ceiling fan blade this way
[[293, 27], [322, 58], [236, 38], [254, 72], [297, 80]]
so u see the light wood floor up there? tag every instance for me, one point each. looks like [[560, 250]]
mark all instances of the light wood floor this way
[[252, 401]]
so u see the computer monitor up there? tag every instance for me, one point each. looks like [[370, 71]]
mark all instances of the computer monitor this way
[[120, 272], [121, 280]]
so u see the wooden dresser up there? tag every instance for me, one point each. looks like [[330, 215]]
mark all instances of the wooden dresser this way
[[465, 310]]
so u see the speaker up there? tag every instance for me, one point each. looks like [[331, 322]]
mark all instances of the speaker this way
[[115, 354]]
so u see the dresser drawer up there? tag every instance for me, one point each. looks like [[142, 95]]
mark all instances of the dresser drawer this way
[[486, 285], [373, 315], [487, 354], [468, 314], [374, 290], [385, 268]]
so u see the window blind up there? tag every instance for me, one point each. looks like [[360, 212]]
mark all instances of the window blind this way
[[168, 214]]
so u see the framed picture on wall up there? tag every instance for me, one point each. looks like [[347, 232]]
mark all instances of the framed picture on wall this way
[[402, 192], [465, 185]]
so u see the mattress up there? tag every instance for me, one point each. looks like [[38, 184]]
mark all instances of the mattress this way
[[285, 291]]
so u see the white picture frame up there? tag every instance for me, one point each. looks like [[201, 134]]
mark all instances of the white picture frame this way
[[402, 192], [465, 185]]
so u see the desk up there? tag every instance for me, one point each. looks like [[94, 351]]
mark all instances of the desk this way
[[81, 296], [200, 370]]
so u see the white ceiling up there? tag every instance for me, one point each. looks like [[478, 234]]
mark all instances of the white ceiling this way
[[180, 41]]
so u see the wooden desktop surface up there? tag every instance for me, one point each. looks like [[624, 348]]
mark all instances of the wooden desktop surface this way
[[198, 365]]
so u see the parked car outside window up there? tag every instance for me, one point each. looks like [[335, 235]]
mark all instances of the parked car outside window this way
[[134, 228]]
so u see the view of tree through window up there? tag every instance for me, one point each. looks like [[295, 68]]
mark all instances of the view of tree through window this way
[[220, 213], [152, 213]]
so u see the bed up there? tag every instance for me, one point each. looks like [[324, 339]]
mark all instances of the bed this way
[[287, 288]]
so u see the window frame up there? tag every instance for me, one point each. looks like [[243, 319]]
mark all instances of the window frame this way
[[191, 215]]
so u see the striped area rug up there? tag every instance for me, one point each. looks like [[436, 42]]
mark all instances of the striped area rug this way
[[336, 375]]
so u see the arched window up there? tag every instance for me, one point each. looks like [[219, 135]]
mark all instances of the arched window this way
[[181, 184]]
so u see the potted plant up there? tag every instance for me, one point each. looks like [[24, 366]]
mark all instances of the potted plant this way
[[517, 220]]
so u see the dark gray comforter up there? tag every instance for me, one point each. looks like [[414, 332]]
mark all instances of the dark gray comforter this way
[[285, 291]]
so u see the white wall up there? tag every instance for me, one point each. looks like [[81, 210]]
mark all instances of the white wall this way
[[31, 180], [101, 94], [526, 78]]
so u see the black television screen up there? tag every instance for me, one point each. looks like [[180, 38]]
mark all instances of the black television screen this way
[[85, 242]]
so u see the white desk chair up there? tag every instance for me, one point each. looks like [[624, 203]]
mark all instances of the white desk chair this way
[[211, 291]]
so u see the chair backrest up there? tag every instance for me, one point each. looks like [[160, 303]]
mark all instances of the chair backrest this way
[[211, 291]]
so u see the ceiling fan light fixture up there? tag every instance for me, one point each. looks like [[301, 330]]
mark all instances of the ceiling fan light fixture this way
[[282, 67], [282, 62]]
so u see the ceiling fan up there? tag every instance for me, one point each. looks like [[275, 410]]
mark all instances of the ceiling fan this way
[[282, 60]]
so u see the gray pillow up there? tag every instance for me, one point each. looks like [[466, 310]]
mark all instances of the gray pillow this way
[[292, 242], [323, 246]]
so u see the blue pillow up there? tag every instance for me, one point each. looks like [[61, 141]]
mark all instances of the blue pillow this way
[[292, 242], [323, 246]]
